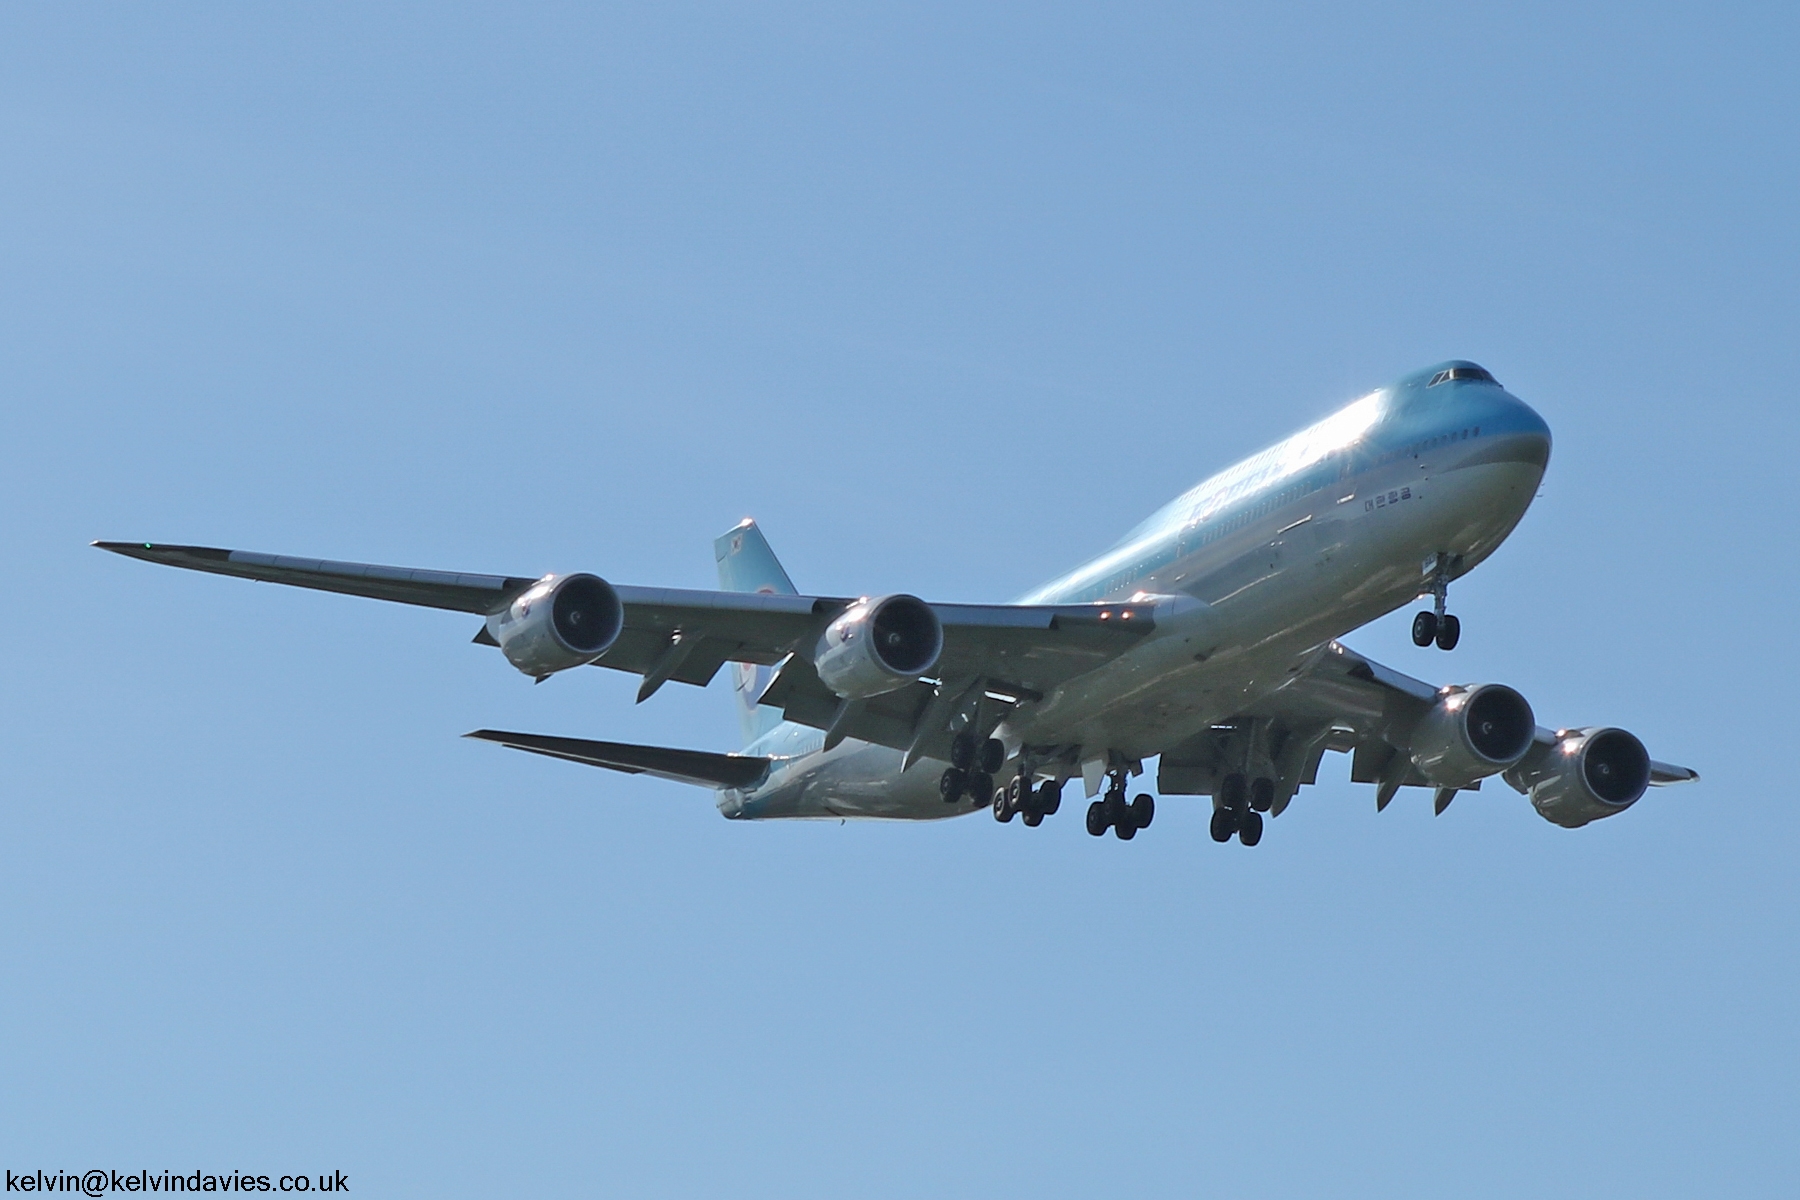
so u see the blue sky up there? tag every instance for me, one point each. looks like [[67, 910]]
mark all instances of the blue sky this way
[[947, 299]]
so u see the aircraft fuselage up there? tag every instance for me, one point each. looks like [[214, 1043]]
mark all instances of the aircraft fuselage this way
[[1253, 569]]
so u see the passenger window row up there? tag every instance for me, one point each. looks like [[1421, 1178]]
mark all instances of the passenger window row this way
[[1418, 448]]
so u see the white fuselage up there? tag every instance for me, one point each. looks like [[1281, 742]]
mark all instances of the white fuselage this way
[[1262, 564]]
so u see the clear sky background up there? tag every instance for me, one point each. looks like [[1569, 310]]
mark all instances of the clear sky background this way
[[947, 299]]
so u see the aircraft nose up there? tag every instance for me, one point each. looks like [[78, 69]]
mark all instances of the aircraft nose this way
[[1520, 436], [1532, 449]]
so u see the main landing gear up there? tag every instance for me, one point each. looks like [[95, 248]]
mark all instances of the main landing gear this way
[[1112, 812], [1020, 798], [1437, 625], [1238, 808], [972, 768]]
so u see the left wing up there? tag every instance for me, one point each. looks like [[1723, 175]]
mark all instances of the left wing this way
[[686, 635]]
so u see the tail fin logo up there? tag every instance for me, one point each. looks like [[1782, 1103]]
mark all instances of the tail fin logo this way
[[752, 681]]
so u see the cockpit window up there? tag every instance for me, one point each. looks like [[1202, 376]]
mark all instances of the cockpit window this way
[[1462, 373]]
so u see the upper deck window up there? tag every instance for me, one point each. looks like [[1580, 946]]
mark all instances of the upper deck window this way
[[1462, 373]]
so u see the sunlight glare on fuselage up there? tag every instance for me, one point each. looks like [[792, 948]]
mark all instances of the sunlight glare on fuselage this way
[[1312, 445]]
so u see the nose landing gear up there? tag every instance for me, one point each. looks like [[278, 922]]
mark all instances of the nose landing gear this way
[[1445, 630], [1437, 625]]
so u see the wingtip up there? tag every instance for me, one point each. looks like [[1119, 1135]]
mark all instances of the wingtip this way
[[143, 550], [162, 551]]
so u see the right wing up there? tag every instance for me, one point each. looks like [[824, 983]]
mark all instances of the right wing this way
[[1340, 700]]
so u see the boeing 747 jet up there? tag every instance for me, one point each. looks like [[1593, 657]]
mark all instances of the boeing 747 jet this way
[[1207, 638]]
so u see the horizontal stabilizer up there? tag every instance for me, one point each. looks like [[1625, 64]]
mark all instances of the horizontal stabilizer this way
[[700, 767]]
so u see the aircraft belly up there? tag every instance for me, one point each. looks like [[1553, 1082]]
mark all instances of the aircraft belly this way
[[1483, 503], [855, 779]]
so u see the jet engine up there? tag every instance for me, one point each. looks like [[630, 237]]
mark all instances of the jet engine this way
[[1471, 733], [876, 646], [561, 621], [1586, 775]]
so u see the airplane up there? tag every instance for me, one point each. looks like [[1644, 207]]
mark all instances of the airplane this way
[[1207, 638]]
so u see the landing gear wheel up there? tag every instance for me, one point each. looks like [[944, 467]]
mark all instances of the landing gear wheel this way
[[1224, 824], [993, 753], [1123, 829], [1231, 791], [962, 751], [981, 787], [1425, 628], [1115, 806], [1096, 819], [951, 784], [1142, 811], [1249, 828], [1003, 807], [1262, 795], [1049, 798], [1449, 632], [1033, 819]]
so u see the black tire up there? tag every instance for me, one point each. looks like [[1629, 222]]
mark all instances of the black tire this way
[[962, 751], [1224, 824], [1449, 633], [1049, 797], [1231, 791], [1250, 827], [1425, 628], [993, 753], [1003, 808], [981, 787], [1143, 810], [951, 784], [1123, 829], [1262, 794], [1096, 819], [1033, 819]]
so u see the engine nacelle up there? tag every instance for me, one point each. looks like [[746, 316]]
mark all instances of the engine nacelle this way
[[878, 645], [1586, 775], [561, 621], [1472, 733]]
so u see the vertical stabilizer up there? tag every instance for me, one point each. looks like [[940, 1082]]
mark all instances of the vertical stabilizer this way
[[746, 564]]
